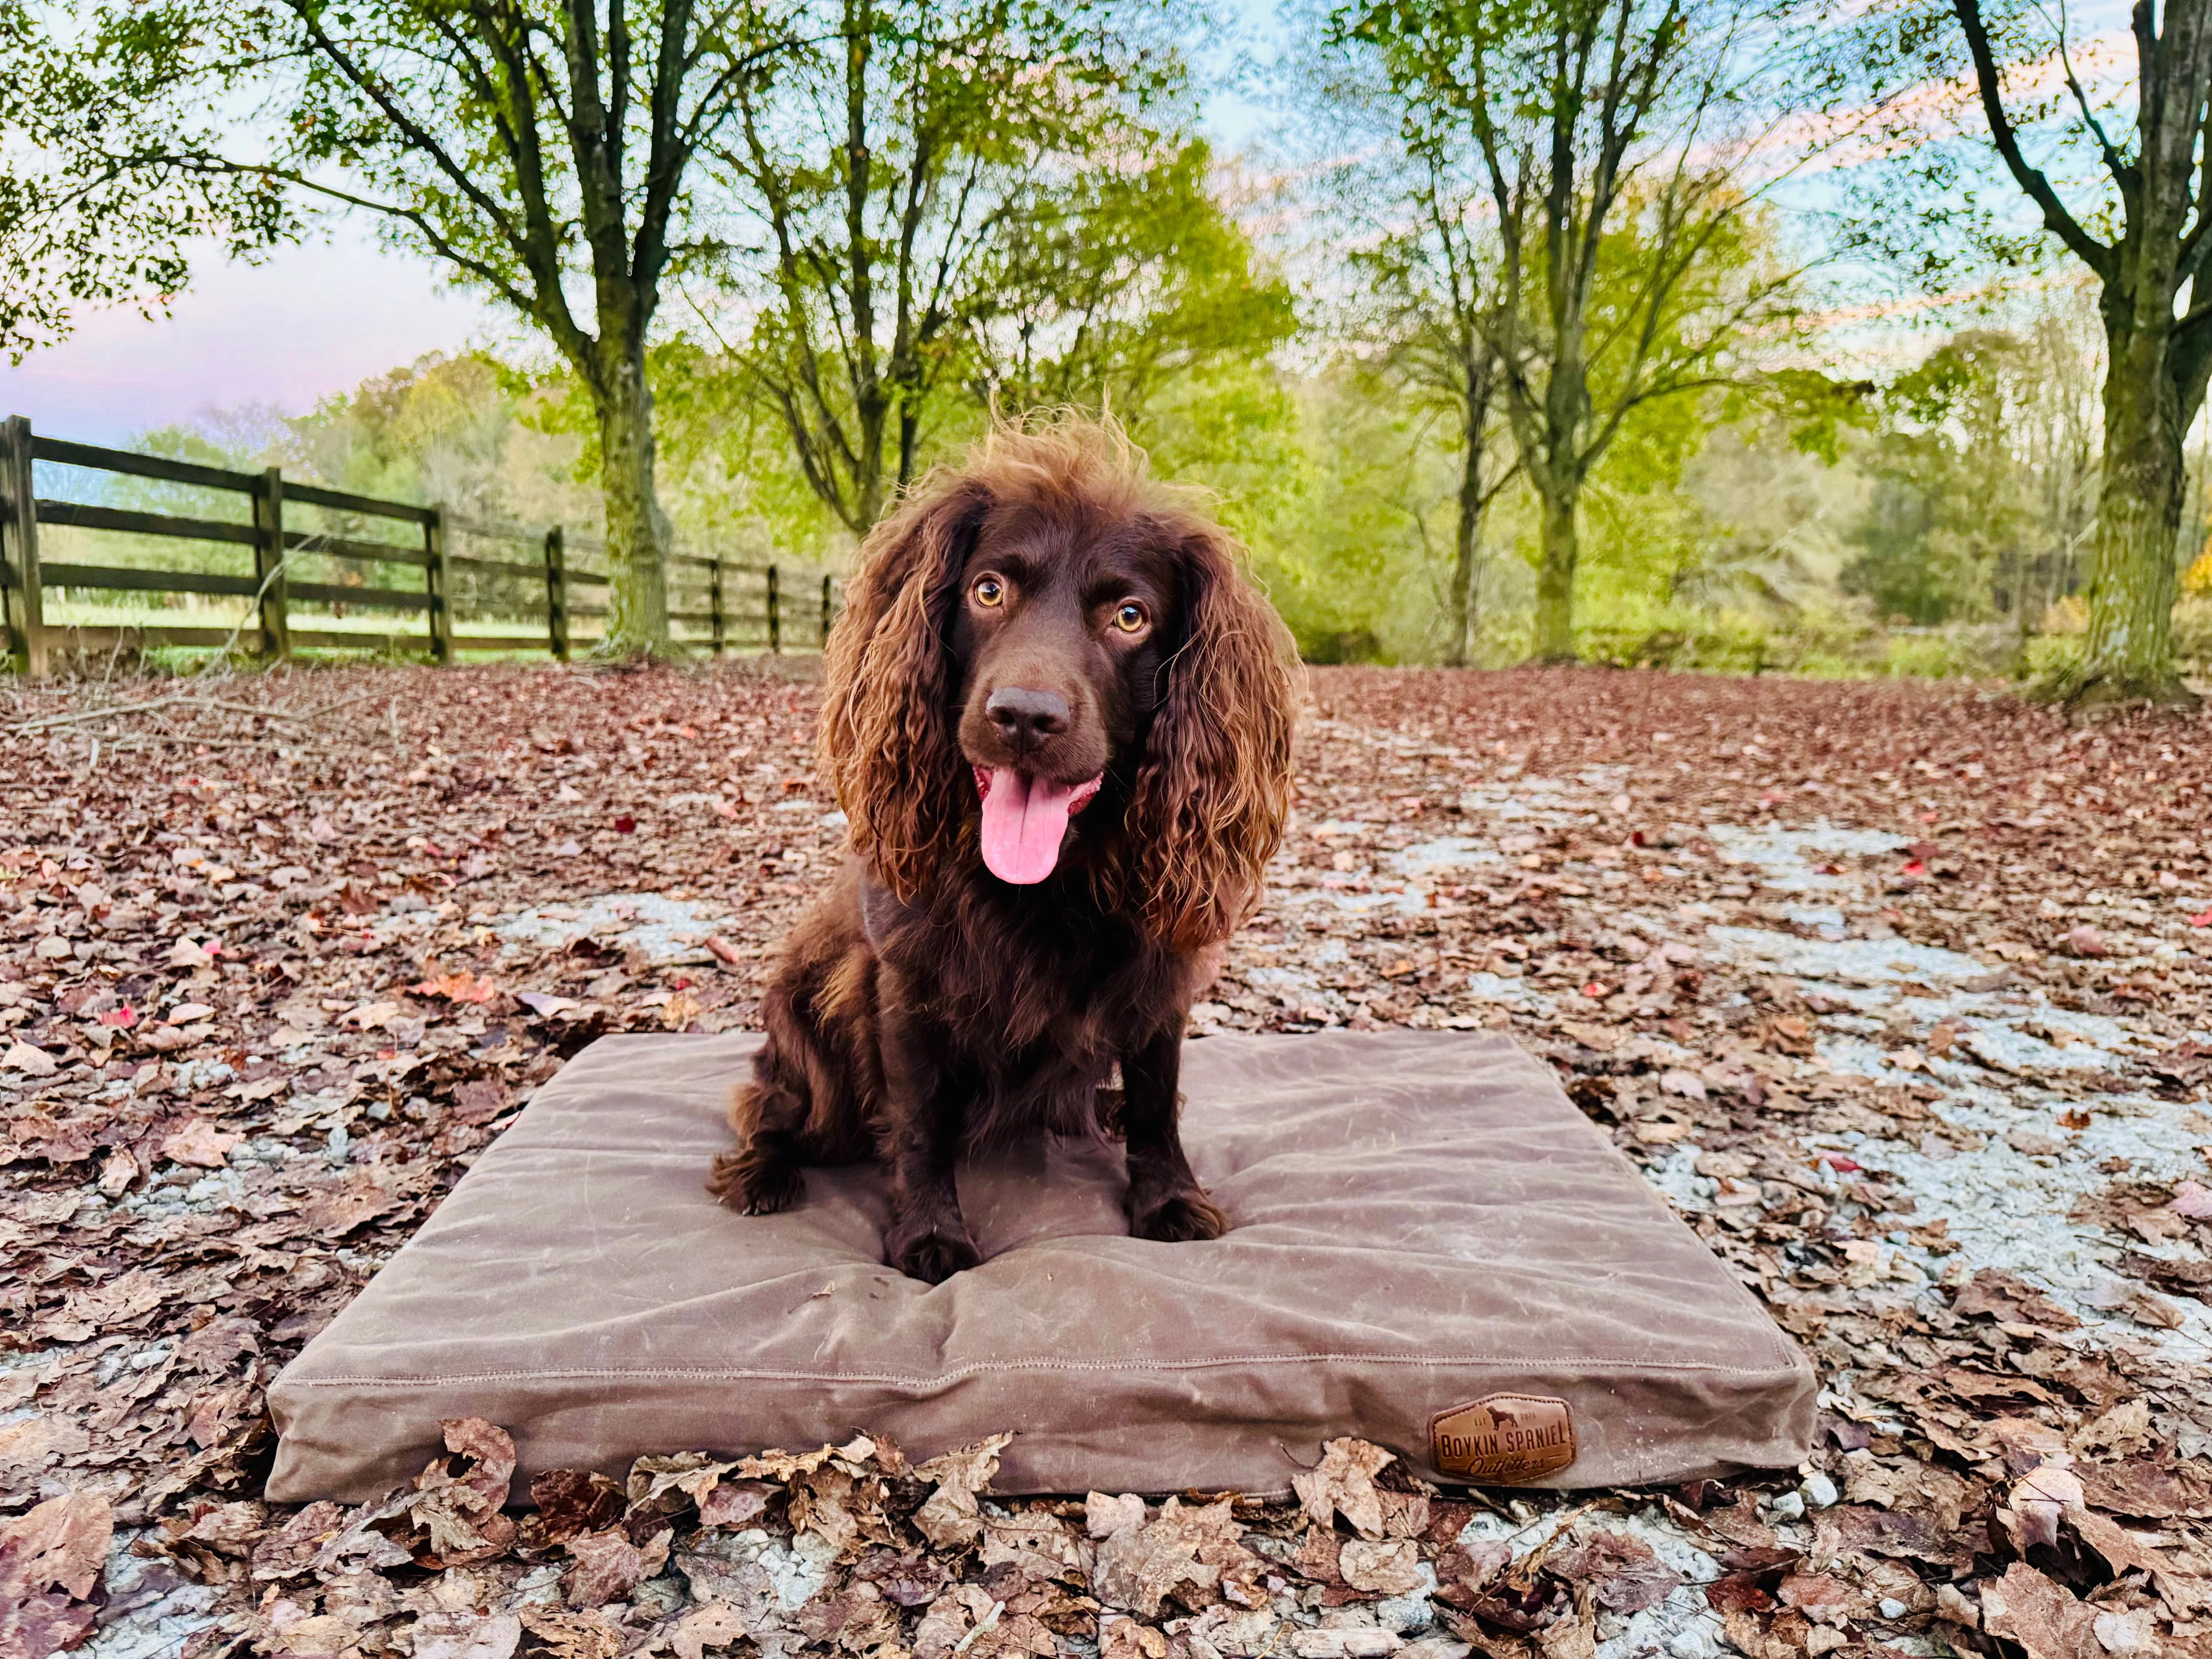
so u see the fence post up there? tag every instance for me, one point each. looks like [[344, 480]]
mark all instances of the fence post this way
[[715, 598], [775, 613], [27, 609], [556, 593], [269, 567], [828, 609], [435, 587]]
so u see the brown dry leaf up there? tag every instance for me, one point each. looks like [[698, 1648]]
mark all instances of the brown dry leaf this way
[[608, 1567], [708, 1625], [1119, 1637], [1818, 1596], [481, 1101], [2006, 1296], [2120, 1549], [1042, 1545], [1569, 1638], [735, 1504], [2039, 1498], [941, 1627], [1343, 1483], [585, 1635], [51, 1559], [198, 1143], [59, 1545], [2123, 1431], [1621, 1572], [1853, 1528], [1389, 1567], [337, 1213], [2148, 1488], [459, 1506], [467, 1635], [949, 1515], [1103, 1516], [2119, 1295], [2042, 1617], [35, 1441], [1139, 1567], [784, 1466], [693, 1474], [291, 1550], [570, 1501]]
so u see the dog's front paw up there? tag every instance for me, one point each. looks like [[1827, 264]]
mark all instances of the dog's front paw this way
[[933, 1254], [752, 1185], [1180, 1218]]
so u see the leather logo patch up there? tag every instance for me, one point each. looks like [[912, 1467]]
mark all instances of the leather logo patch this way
[[1503, 1439]]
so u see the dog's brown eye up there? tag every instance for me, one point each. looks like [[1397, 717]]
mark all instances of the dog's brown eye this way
[[1130, 617], [989, 591]]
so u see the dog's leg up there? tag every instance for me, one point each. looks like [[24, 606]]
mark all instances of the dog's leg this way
[[1165, 1201], [770, 1115], [927, 1108], [762, 1175]]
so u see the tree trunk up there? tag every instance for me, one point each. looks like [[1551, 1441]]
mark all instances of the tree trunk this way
[[1555, 580], [2130, 653], [637, 532], [1465, 597]]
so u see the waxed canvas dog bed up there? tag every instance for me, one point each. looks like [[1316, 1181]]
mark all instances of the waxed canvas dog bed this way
[[1433, 1250]]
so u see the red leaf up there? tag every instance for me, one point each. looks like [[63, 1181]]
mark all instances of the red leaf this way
[[460, 987], [625, 824]]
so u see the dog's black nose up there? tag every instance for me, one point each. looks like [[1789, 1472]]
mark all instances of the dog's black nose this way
[[1024, 717]]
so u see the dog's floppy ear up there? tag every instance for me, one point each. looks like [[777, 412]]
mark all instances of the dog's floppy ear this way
[[887, 745], [1215, 785]]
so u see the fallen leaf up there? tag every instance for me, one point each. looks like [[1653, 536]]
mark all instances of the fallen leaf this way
[[1621, 1572], [2192, 1199], [51, 1559], [466, 1636], [608, 1566], [199, 1144], [709, 1624], [949, 1515], [1343, 1483], [2042, 1617], [32, 1062]]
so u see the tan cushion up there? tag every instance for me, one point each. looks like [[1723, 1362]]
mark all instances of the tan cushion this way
[[1421, 1221]]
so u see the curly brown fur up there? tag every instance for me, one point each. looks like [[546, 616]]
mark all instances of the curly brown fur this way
[[1045, 621]]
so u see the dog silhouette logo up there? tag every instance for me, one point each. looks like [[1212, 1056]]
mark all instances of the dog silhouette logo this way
[[1504, 1439]]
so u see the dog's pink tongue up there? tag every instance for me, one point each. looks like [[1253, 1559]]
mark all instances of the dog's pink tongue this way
[[1025, 821]]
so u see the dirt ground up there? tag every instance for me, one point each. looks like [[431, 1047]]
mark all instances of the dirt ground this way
[[1897, 993]]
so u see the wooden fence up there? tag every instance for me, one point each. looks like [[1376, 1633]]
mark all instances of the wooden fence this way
[[738, 604]]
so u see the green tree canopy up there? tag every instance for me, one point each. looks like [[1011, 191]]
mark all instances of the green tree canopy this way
[[545, 153], [971, 200]]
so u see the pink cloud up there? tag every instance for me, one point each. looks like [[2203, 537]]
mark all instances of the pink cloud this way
[[311, 321]]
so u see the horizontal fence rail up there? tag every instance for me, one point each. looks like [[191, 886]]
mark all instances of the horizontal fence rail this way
[[735, 602]]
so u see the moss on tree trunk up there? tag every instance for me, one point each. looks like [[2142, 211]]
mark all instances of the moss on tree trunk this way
[[2129, 656], [637, 532], [1555, 581]]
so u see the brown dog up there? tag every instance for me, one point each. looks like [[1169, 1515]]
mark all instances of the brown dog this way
[[1058, 719]]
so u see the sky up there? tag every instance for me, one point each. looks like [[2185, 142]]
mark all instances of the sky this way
[[319, 319], [312, 321]]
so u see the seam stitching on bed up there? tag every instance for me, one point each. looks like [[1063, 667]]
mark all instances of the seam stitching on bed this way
[[700, 1373]]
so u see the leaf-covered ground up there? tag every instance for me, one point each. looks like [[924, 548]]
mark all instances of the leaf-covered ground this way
[[1897, 993]]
